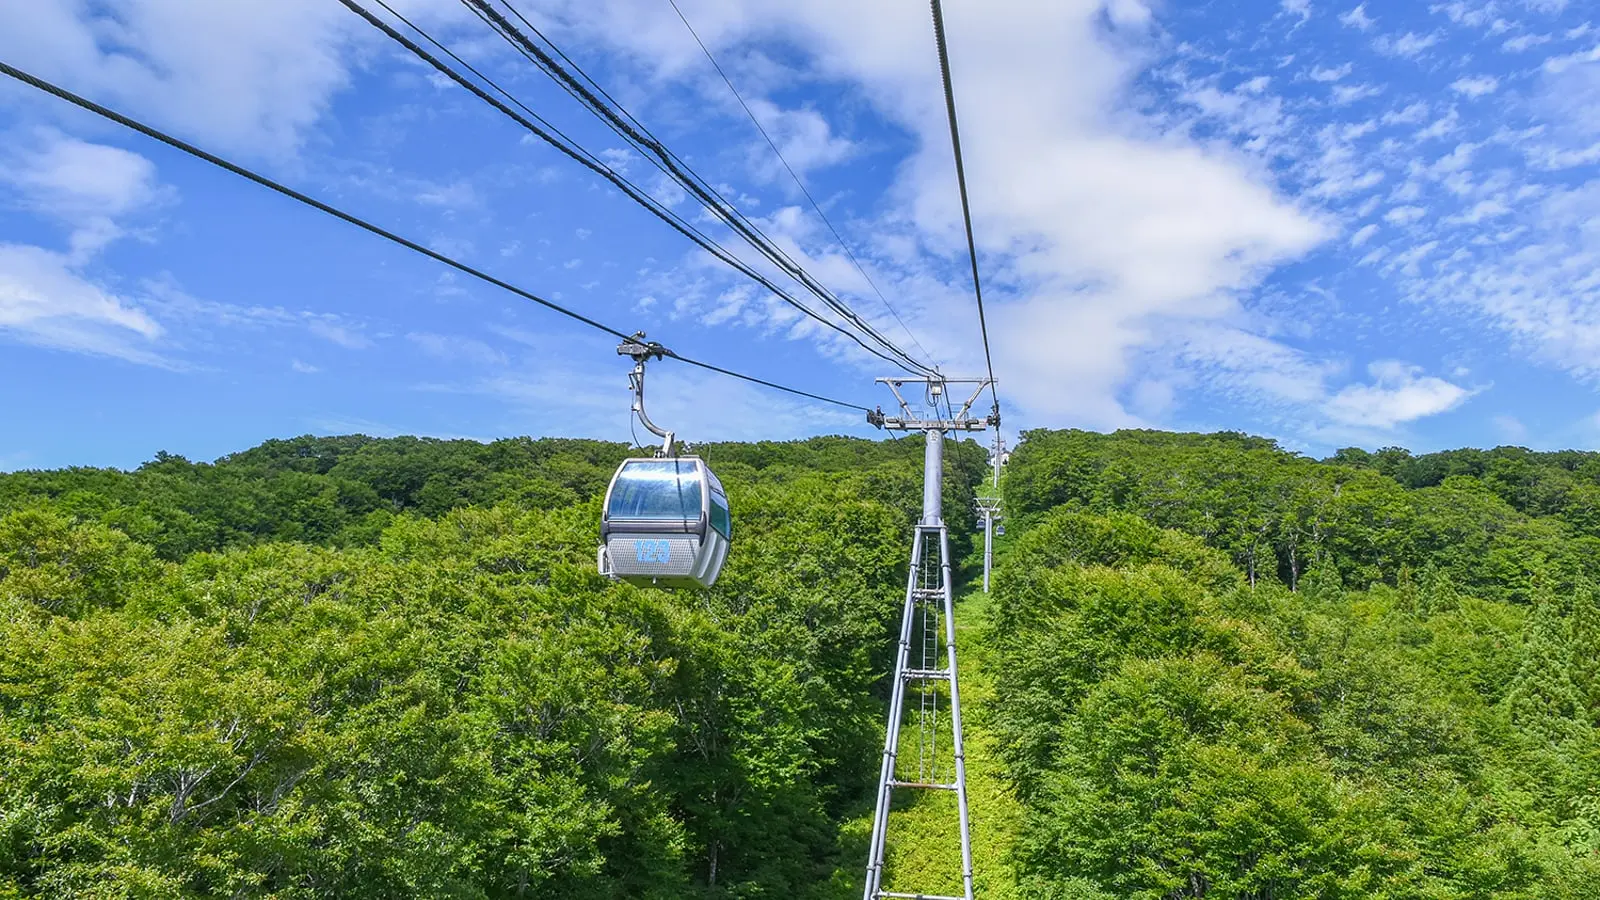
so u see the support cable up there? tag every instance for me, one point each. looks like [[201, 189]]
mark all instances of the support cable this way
[[798, 183], [588, 92], [961, 180], [241, 171], [555, 138], [612, 113]]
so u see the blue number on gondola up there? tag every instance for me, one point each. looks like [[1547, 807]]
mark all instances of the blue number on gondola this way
[[652, 551]]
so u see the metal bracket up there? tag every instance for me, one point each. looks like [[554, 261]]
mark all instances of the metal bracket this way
[[641, 351]]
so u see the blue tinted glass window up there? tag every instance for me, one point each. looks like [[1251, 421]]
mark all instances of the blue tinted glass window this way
[[657, 489], [720, 519]]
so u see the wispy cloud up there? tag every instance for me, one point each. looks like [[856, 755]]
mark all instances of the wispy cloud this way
[[1475, 87], [45, 301], [46, 297], [1134, 231], [1345, 94], [1404, 215], [1523, 42], [1407, 45], [1331, 73], [1358, 18]]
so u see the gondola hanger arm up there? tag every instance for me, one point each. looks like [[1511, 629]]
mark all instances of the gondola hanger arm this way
[[642, 350]]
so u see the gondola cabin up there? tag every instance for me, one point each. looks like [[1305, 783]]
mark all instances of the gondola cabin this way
[[666, 524]]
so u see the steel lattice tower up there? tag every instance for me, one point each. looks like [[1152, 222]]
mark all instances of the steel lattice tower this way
[[925, 658]]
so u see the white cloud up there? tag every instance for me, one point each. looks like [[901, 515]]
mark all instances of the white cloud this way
[[45, 301], [86, 186], [1557, 64], [1399, 393], [1539, 285], [1248, 368], [1363, 235], [618, 158], [1441, 127], [247, 77], [1476, 86], [1358, 18], [1568, 133], [1407, 45], [1215, 223], [1321, 73], [1245, 111], [46, 297], [1410, 115], [803, 136], [1404, 215], [1129, 13], [1409, 261], [73, 178], [1345, 94], [1478, 13], [1524, 41], [1298, 8], [1343, 183], [303, 368], [1480, 211]]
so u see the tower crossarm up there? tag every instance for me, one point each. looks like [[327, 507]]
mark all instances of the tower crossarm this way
[[908, 420]]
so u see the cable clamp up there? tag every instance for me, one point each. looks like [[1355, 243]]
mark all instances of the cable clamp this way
[[640, 349]]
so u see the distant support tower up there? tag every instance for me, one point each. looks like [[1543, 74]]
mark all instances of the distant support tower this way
[[927, 621], [989, 508]]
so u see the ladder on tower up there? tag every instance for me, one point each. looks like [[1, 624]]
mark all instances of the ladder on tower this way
[[925, 665]]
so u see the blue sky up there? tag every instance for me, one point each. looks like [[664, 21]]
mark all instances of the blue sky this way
[[1330, 223]]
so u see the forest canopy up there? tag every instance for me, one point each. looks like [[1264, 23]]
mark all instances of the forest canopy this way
[[1228, 671], [358, 667], [348, 667]]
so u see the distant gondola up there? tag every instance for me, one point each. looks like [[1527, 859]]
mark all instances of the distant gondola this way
[[665, 524]]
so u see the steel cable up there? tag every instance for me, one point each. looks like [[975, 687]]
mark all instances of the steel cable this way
[[179, 144]]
